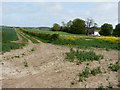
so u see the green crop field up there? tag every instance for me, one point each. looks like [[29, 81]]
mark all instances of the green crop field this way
[[8, 35]]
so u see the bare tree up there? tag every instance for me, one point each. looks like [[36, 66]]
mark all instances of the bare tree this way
[[69, 23], [89, 22], [95, 24], [63, 23]]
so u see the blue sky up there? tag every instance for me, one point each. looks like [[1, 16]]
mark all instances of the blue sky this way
[[47, 13]]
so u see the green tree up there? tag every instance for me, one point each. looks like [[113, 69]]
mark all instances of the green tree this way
[[116, 31], [78, 26], [56, 27], [106, 29], [95, 28]]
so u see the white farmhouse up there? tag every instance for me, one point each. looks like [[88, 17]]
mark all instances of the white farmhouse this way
[[96, 33]]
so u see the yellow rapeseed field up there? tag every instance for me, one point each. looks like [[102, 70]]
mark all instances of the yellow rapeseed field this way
[[74, 37], [109, 38], [106, 38]]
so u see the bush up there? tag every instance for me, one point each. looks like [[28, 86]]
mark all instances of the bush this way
[[55, 36]]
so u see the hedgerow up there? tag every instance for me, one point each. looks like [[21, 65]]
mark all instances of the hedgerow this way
[[45, 36]]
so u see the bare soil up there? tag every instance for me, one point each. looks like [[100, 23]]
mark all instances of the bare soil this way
[[48, 68]]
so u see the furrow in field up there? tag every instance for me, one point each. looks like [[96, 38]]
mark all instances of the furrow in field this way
[[29, 41], [30, 38]]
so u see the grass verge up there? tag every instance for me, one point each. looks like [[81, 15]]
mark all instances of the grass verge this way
[[30, 38], [24, 39]]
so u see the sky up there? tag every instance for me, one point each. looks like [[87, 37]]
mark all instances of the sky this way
[[45, 14]]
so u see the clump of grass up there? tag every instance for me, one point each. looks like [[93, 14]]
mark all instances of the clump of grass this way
[[77, 62], [102, 57], [100, 87], [85, 72], [105, 72], [107, 78], [71, 55], [33, 49], [12, 57], [80, 79], [72, 83], [110, 59], [81, 56], [114, 67], [96, 71], [110, 85], [111, 64], [17, 56], [23, 54], [85, 85], [26, 64], [7, 58], [88, 63], [107, 49], [99, 62]]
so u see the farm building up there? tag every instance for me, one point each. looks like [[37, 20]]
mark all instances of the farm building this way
[[93, 32], [96, 33]]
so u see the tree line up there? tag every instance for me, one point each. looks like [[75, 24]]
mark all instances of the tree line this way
[[79, 26]]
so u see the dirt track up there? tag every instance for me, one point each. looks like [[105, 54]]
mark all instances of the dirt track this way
[[47, 68]]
